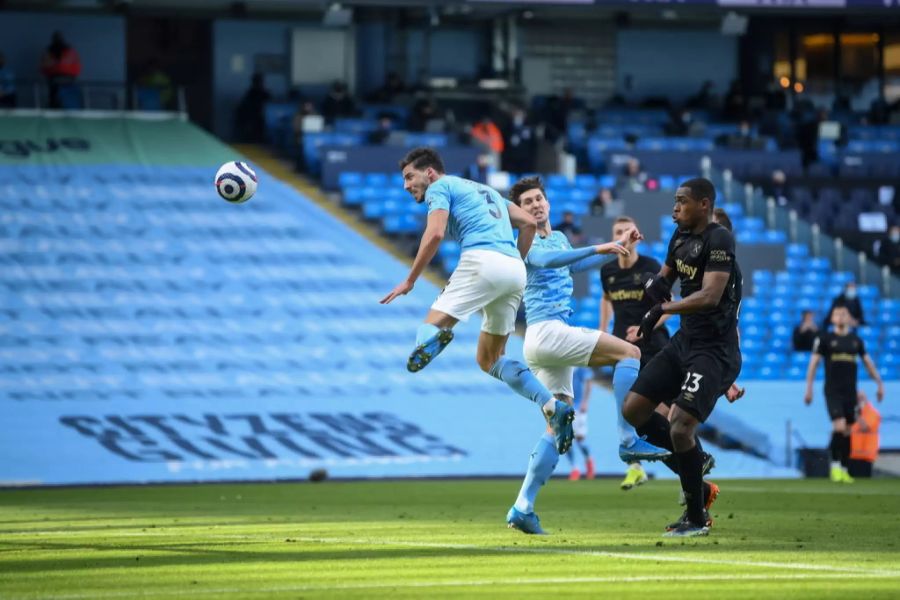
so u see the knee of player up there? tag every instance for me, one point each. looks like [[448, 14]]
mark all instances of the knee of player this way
[[633, 352], [485, 362], [681, 431]]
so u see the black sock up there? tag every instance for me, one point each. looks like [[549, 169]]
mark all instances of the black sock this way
[[845, 451], [837, 447], [690, 470]]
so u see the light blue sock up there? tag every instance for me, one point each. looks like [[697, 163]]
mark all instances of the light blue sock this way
[[426, 331], [543, 460], [623, 378], [521, 380]]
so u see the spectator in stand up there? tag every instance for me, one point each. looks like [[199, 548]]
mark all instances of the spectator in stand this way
[[889, 250], [735, 107], [337, 103], [385, 127], [679, 122], [299, 125], [635, 178], [60, 65], [250, 121], [864, 438], [805, 333], [424, 110], [487, 134], [520, 143], [778, 187], [570, 228], [155, 77], [602, 202], [393, 87], [7, 85], [850, 301], [742, 139]]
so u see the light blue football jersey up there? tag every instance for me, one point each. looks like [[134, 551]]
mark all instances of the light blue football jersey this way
[[548, 293], [479, 218]]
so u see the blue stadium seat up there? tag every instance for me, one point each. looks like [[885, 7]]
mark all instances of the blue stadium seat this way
[[353, 196], [607, 181], [588, 182], [350, 178], [379, 180], [820, 264]]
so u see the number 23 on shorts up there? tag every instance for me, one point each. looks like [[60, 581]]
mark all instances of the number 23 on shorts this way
[[691, 382]]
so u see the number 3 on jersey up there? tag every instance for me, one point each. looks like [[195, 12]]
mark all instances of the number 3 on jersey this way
[[493, 209], [691, 382]]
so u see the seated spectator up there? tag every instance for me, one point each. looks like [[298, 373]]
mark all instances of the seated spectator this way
[[889, 250], [250, 121], [679, 123], [570, 228], [602, 203], [743, 139], [635, 179], [393, 87], [305, 119], [155, 77], [848, 300], [488, 135], [520, 143], [424, 110], [60, 65], [337, 103], [385, 127], [805, 333], [7, 85], [778, 188]]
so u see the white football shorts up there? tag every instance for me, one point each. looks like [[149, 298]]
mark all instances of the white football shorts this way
[[553, 349], [485, 281]]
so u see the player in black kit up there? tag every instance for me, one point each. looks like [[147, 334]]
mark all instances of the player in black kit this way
[[623, 297], [703, 358], [840, 349]]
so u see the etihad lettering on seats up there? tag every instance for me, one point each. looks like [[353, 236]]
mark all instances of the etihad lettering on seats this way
[[685, 268]]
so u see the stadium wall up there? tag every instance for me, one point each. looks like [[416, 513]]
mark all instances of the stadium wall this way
[[99, 40], [654, 60]]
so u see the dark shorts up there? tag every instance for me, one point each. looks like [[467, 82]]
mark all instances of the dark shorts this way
[[841, 406], [691, 373]]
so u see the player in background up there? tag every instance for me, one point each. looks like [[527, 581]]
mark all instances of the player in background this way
[[840, 349], [623, 298], [489, 279], [581, 387], [702, 359], [553, 348]]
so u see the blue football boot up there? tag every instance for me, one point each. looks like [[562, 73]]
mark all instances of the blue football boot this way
[[428, 350], [516, 519], [561, 425], [641, 449]]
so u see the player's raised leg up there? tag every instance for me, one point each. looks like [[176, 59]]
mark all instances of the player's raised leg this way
[[627, 360], [431, 338]]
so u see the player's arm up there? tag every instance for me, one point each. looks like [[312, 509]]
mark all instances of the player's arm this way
[[606, 312], [526, 225], [874, 374], [435, 227], [707, 297], [811, 375], [554, 259]]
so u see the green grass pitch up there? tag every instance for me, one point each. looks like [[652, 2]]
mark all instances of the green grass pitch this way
[[409, 539]]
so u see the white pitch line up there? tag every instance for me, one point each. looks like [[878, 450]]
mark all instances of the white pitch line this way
[[454, 583], [607, 554]]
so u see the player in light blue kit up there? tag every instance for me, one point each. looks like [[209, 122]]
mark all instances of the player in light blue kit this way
[[553, 348], [490, 278]]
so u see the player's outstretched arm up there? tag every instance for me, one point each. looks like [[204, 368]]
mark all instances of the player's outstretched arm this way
[[606, 312], [526, 225], [810, 376], [713, 286], [875, 375], [428, 247]]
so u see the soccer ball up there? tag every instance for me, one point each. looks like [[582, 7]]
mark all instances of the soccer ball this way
[[236, 182]]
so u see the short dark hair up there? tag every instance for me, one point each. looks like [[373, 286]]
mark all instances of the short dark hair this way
[[701, 188], [722, 218], [524, 185], [422, 158]]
